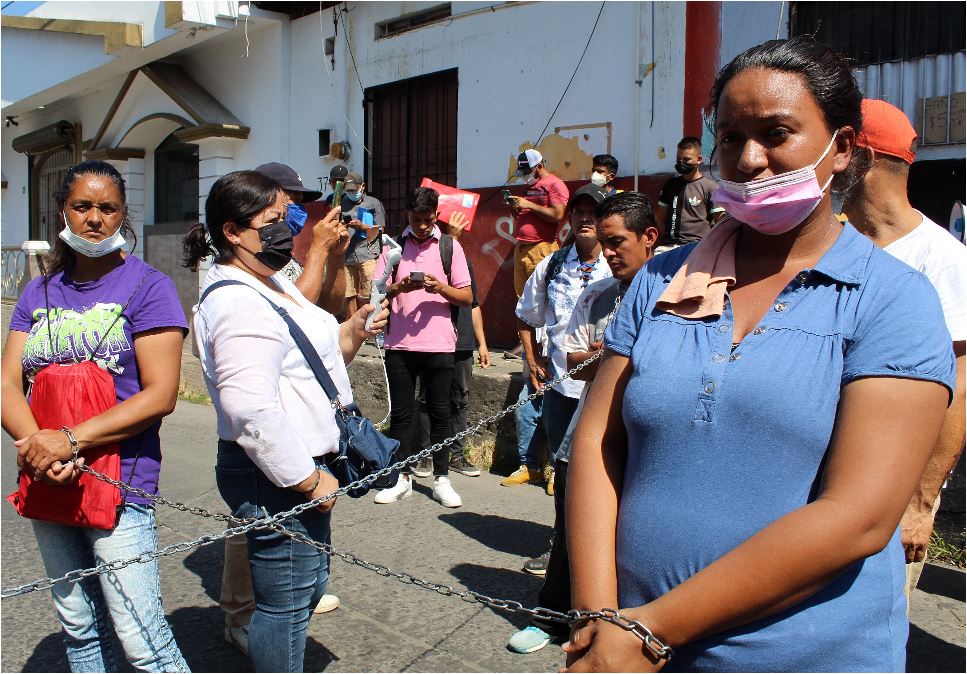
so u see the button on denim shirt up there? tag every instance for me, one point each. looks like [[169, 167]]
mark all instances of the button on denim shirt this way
[[722, 443]]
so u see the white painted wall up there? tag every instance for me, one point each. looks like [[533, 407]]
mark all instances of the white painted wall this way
[[252, 88], [63, 56], [89, 110], [149, 15], [513, 66], [14, 198], [746, 24]]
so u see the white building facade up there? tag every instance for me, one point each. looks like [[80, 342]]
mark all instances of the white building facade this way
[[176, 94]]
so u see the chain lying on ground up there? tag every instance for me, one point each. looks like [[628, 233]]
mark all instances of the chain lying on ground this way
[[274, 521]]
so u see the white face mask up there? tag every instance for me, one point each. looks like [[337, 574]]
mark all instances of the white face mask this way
[[599, 179], [88, 248], [530, 179]]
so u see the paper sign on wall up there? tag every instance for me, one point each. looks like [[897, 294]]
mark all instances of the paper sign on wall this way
[[453, 199]]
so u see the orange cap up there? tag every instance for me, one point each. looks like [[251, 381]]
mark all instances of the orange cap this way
[[887, 130]]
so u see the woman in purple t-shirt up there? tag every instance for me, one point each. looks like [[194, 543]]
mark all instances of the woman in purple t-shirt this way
[[91, 288]]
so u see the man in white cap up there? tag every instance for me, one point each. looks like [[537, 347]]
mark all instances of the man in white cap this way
[[536, 216], [319, 274]]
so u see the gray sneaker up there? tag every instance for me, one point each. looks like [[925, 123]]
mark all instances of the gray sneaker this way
[[538, 565], [459, 464], [423, 467]]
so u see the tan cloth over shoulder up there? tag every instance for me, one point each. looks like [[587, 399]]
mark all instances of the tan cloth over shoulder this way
[[698, 287]]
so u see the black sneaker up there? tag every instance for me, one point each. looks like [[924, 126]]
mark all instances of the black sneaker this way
[[459, 464], [423, 467], [538, 565]]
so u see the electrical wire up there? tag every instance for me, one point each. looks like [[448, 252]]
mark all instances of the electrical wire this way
[[573, 75], [561, 100], [332, 84], [246, 28], [342, 15]]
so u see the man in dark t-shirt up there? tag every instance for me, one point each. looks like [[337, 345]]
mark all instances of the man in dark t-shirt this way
[[685, 205]]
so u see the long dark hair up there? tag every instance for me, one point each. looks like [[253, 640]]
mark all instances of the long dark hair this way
[[826, 73], [61, 256], [235, 197]]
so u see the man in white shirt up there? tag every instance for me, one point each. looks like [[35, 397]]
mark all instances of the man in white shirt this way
[[878, 207], [627, 232], [548, 299]]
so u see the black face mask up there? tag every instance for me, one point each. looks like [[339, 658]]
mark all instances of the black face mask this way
[[684, 168], [276, 245]]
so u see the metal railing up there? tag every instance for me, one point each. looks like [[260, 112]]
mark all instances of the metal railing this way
[[14, 272]]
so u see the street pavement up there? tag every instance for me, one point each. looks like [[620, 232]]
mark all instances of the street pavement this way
[[382, 625]]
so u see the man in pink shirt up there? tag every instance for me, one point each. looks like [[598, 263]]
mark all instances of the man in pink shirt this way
[[421, 338], [536, 216]]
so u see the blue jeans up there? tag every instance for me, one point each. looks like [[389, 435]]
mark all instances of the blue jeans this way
[[556, 416], [288, 578], [527, 417], [130, 598]]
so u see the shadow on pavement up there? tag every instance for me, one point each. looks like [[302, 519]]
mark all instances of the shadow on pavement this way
[[200, 633], [943, 581], [501, 584], [927, 653], [206, 563], [48, 656], [505, 534]]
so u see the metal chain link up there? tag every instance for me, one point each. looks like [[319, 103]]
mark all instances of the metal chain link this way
[[266, 522], [651, 642]]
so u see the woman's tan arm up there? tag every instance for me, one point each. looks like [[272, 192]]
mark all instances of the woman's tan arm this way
[[17, 420], [594, 483]]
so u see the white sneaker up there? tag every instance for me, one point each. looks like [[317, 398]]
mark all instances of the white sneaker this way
[[444, 493], [329, 602], [402, 489]]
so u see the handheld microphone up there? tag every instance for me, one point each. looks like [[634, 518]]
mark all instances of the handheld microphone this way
[[393, 256]]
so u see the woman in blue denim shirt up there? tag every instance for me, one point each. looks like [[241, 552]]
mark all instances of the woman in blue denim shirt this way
[[768, 402]]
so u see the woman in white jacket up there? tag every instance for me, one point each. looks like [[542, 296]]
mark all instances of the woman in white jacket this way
[[276, 428]]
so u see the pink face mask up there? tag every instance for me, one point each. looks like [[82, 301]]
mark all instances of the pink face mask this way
[[776, 204]]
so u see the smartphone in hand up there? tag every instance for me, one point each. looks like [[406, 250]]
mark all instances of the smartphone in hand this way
[[416, 276]]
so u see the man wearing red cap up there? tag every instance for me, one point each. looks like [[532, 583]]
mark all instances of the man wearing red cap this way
[[878, 207]]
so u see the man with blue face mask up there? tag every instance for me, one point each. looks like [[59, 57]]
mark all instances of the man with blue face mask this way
[[319, 277], [366, 219]]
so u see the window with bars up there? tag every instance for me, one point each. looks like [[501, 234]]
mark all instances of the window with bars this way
[[880, 32], [47, 177]]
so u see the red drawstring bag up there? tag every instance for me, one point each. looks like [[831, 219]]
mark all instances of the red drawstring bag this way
[[65, 395]]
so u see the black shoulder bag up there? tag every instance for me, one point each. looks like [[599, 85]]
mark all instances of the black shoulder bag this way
[[363, 450]]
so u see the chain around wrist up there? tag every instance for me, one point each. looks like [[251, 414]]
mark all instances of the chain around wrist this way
[[73, 440], [655, 646]]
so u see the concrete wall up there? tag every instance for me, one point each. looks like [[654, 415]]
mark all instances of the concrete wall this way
[[513, 66], [89, 110]]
